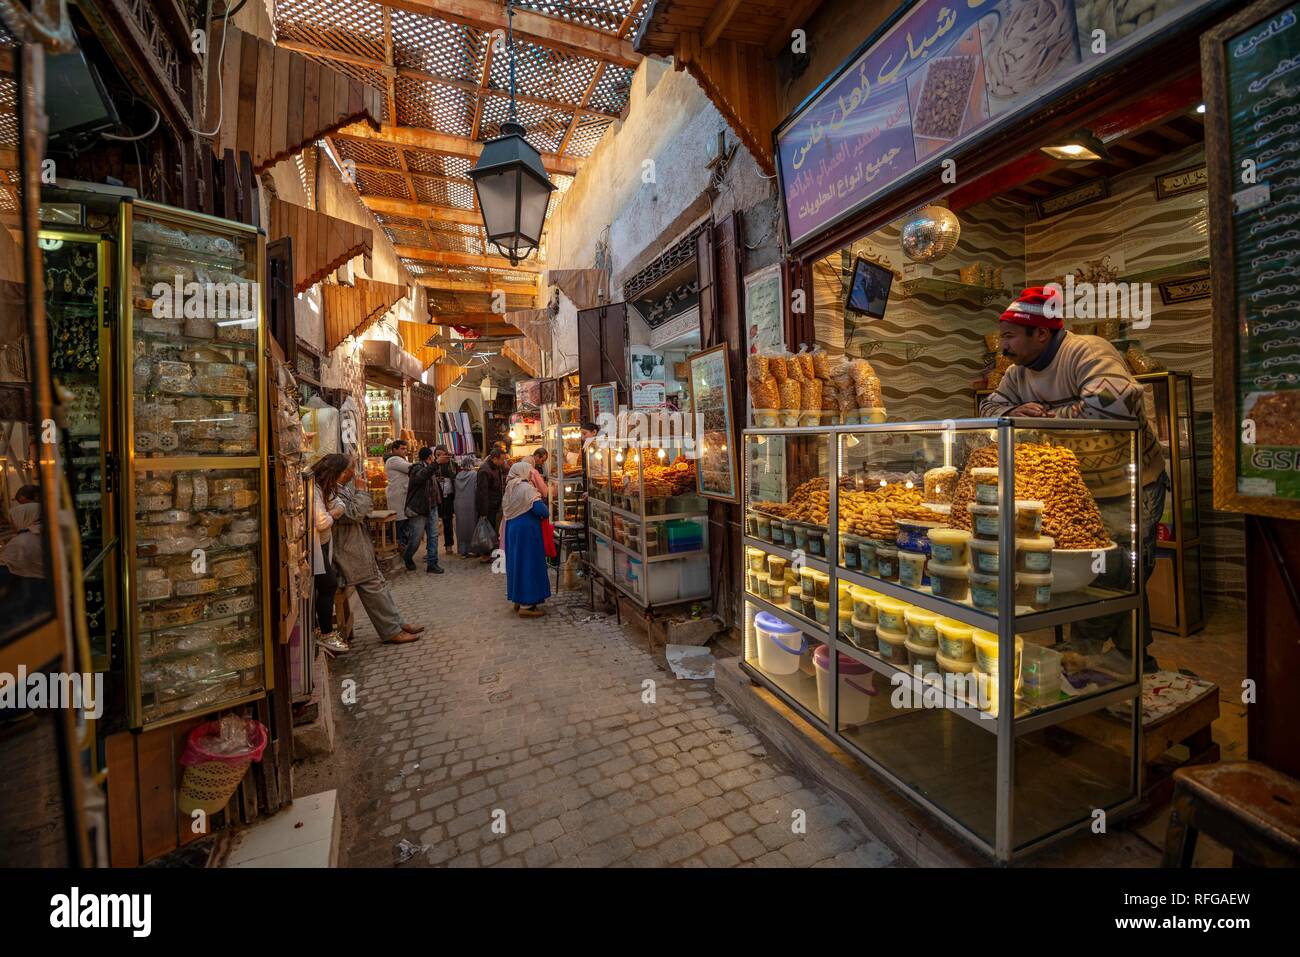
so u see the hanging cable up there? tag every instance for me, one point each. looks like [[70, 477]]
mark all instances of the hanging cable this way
[[221, 75], [157, 118]]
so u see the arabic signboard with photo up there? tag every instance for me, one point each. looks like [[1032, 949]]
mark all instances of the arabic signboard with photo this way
[[763, 313], [711, 410], [1253, 64], [649, 380], [936, 76], [602, 400], [528, 395]]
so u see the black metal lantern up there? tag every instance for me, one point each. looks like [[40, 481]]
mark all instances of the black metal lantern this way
[[511, 184]]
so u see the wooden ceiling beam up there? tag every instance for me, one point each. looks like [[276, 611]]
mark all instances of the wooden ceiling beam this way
[[586, 97], [390, 74], [435, 142], [450, 258], [799, 13], [448, 284], [718, 20], [482, 88], [552, 32], [427, 212]]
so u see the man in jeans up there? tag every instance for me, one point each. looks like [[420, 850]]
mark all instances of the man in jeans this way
[[445, 475], [422, 500], [1058, 374], [397, 470]]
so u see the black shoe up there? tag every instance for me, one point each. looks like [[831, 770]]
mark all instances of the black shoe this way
[[410, 566], [435, 570]]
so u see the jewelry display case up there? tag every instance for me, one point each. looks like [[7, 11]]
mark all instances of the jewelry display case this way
[[195, 533], [939, 551]]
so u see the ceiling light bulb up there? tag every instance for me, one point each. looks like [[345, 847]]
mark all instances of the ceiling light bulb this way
[[1201, 108]]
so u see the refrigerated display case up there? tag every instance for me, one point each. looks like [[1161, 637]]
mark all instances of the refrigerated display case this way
[[563, 471], [928, 561], [647, 526], [195, 532], [77, 268]]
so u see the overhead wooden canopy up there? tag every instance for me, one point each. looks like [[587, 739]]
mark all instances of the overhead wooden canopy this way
[[488, 285], [273, 103], [451, 258], [434, 142], [321, 243], [525, 354], [414, 335], [351, 310], [728, 47], [535, 325], [586, 288], [391, 206], [445, 376]]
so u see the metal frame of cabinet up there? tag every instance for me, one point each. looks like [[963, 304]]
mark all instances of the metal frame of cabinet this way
[[1008, 727], [132, 462], [564, 493]]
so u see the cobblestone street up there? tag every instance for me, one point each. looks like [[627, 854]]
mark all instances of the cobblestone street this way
[[540, 726]]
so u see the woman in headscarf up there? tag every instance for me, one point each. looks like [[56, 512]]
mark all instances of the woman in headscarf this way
[[465, 507], [522, 511]]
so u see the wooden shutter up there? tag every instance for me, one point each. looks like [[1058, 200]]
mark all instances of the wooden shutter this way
[[279, 299], [602, 350]]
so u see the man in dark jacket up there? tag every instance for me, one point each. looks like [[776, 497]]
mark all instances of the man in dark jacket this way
[[445, 475], [491, 489], [423, 496]]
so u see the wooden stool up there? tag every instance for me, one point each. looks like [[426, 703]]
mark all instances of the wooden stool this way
[[1244, 805], [383, 532]]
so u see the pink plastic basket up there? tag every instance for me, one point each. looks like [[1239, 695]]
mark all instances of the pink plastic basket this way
[[195, 754]]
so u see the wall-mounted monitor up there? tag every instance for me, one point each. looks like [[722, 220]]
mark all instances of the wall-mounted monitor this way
[[869, 289]]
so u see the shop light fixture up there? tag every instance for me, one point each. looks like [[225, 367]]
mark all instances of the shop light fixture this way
[[662, 455], [510, 181], [1081, 147], [488, 389], [1201, 108]]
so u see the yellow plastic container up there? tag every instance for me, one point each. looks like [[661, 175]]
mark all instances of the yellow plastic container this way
[[846, 621], [955, 640], [807, 582], [948, 545], [822, 586], [921, 626], [986, 650], [757, 559], [776, 566], [864, 603], [823, 611], [890, 614]]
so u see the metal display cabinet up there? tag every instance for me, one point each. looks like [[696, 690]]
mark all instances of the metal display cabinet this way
[[1009, 765], [1174, 594], [195, 529], [563, 472], [648, 538]]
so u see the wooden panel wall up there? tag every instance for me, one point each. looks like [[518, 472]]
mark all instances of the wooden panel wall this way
[[740, 80], [321, 243], [351, 310]]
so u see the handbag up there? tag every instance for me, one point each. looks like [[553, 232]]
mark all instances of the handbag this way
[[548, 538]]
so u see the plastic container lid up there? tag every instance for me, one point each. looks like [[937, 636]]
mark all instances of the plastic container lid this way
[[1033, 578], [984, 544], [905, 555], [1029, 505], [949, 536], [951, 664], [920, 616], [948, 571], [953, 629], [893, 637], [848, 665], [921, 651], [866, 625], [770, 623], [975, 508], [984, 472], [1039, 543], [979, 579], [891, 606], [886, 550], [987, 642]]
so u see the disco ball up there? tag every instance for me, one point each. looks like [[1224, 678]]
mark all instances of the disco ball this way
[[930, 233]]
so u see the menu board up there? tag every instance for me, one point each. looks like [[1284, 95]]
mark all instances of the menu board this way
[[941, 73], [602, 400], [763, 314], [1258, 299], [714, 432]]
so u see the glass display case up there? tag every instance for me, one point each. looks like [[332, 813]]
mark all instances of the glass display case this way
[[77, 270], [563, 471], [194, 538], [1174, 592], [881, 604], [647, 525]]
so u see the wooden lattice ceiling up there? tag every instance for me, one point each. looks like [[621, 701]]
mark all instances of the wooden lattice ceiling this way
[[446, 79]]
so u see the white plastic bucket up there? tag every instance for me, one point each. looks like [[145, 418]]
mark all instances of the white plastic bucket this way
[[855, 691], [780, 646]]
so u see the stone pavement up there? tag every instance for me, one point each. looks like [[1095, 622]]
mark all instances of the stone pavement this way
[[504, 741]]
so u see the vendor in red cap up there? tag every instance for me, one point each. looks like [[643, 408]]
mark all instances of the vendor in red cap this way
[[1058, 374]]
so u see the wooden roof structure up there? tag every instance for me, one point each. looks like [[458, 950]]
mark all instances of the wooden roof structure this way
[[321, 243], [443, 67], [729, 46]]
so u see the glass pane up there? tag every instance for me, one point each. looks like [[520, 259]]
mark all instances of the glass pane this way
[[784, 655], [25, 595], [598, 465], [33, 824], [196, 307], [196, 578]]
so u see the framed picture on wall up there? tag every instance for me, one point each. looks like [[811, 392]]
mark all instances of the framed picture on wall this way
[[715, 472]]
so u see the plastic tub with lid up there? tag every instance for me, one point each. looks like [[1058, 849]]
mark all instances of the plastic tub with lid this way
[[950, 581], [1040, 674], [984, 591], [864, 635], [807, 582], [986, 485], [757, 559], [855, 689], [822, 609], [953, 666], [921, 626], [890, 645], [864, 603], [822, 586], [1034, 554], [887, 563], [986, 650], [984, 521], [1034, 590], [1029, 517], [850, 556], [867, 558], [845, 628], [776, 565], [780, 646], [889, 614], [948, 545], [984, 556], [955, 639], [923, 655], [911, 569]]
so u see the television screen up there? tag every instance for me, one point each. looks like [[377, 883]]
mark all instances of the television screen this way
[[75, 99], [869, 290]]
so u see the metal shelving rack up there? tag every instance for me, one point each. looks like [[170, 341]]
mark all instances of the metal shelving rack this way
[[1008, 725]]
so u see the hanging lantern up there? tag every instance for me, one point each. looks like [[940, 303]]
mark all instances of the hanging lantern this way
[[487, 389], [511, 184]]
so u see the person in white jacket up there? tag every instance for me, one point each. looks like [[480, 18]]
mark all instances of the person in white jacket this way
[[397, 468]]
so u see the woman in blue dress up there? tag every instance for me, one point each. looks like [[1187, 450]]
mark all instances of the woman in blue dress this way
[[522, 511]]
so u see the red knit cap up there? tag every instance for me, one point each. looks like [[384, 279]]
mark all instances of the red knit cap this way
[[1029, 309]]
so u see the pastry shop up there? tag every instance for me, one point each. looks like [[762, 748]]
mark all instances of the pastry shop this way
[[988, 570]]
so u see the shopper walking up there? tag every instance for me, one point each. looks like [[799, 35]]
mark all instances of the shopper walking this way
[[466, 504], [522, 511], [354, 554], [491, 491], [446, 471], [326, 510], [1058, 374], [423, 497], [397, 469]]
